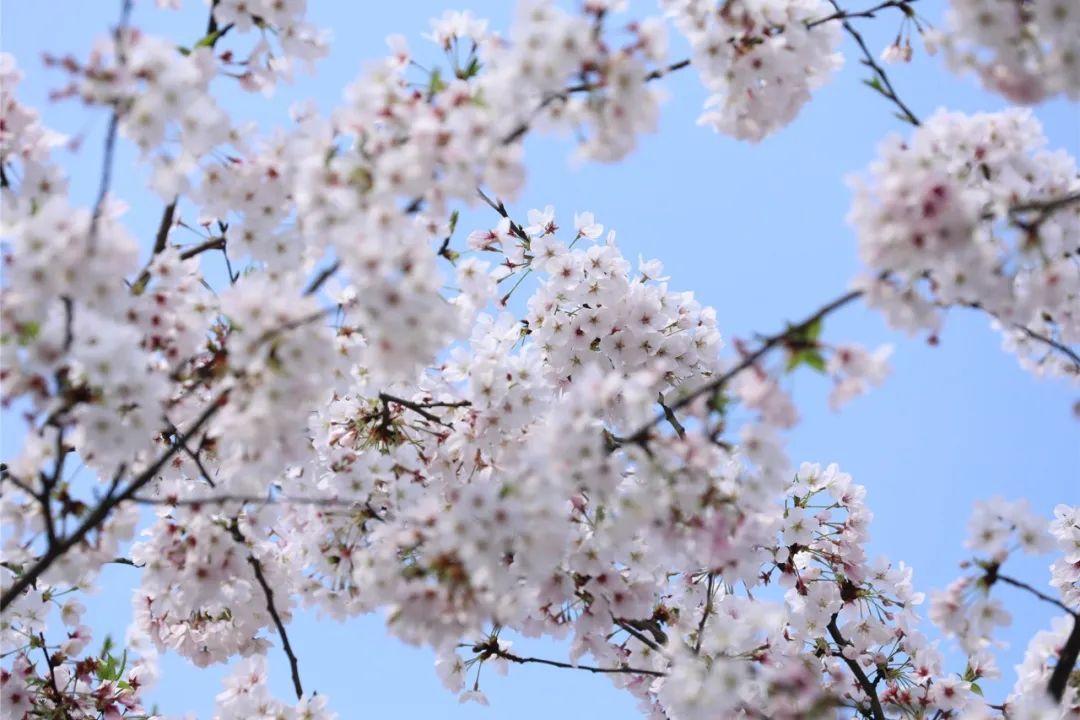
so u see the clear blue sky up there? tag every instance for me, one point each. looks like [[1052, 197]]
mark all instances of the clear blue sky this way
[[755, 230]]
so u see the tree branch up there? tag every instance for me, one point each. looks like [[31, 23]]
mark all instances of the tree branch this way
[[160, 240], [101, 512], [256, 566], [860, 676], [319, 280], [1066, 662], [705, 613], [214, 243], [1052, 343], [421, 408], [884, 86], [61, 703], [637, 634], [640, 436], [993, 576], [492, 649], [847, 14], [523, 128], [110, 133]]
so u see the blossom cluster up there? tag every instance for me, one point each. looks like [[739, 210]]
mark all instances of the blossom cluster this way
[[365, 415], [761, 59], [1025, 51], [942, 220]]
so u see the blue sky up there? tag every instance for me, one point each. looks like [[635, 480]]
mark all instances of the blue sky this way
[[755, 230]]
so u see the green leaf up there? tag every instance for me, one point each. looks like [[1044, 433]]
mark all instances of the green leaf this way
[[453, 221], [470, 70], [209, 39], [28, 332], [976, 689], [719, 401], [436, 83], [875, 84], [810, 357]]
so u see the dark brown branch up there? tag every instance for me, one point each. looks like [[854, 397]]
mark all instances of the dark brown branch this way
[[69, 322], [884, 86], [319, 280], [61, 701], [1038, 337], [256, 566], [194, 455], [1066, 662], [98, 515], [262, 499], [705, 613], [652, 625], [492, 649], [160, 240], [864, 682], [669, 415], [636, 634], [211, 23], [125, 561], [993, 576], [421, 409], [164, 226], [5, 474], [1046, 207], [1052, 343], [299, 322], [641, 435], [519, 131], [214, 243], [49, 483], [847, 14], [497, 206], [110, 133]]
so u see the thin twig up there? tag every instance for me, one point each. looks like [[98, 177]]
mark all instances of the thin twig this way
[[669, 415], [640, 436], [1048, 207], [195, 457], [993, 576], [262, 499], [885, 87], [1051, 342], [319, 280], [98, 515], [847, 14], [214, 243], [60, 699], [256, 565], [110, 133], [421, 409], [523, 127], [492, 649], [705, 614], [160, 240], [636, 634]]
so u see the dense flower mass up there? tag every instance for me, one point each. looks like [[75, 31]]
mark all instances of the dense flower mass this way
[[1026, 50], [759, 58], [943, 220], [511, 431]]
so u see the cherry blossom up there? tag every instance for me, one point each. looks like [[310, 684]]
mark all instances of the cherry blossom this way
[[510, 430]]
